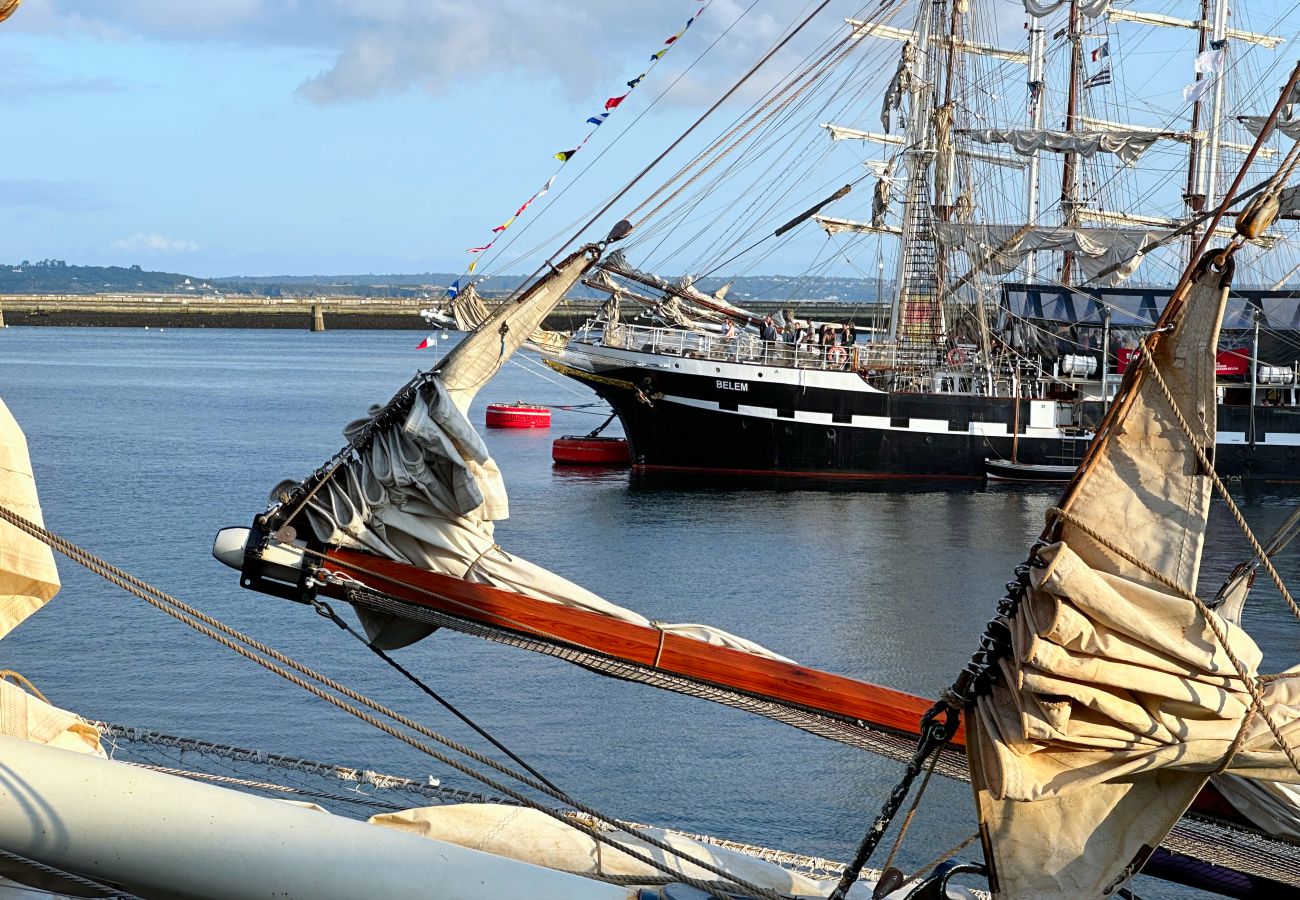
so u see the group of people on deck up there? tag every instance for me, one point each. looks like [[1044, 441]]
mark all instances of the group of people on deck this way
[[795, 332], [830, 340]]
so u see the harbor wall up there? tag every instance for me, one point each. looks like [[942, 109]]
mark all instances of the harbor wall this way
[[185, 311]]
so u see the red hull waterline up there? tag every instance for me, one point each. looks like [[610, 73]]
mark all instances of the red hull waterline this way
[[591, 451], [517, 415]]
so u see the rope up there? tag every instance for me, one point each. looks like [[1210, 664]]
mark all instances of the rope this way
[[685, 134], [422, 789], [328, 612], [1212, 620], [1203, 458], [21, 680], [911, 814], [216, 630], [101, 890], [935, 733], [479, 558], [943, 857], [844, 47], [270, 787]]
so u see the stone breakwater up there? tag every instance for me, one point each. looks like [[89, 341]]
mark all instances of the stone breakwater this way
[[190, 311]]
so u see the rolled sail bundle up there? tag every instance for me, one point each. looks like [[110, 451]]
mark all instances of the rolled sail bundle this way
[[1120, 694], [427, 493], [417, 484]]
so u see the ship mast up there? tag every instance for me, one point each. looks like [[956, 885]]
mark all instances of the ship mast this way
[[917, 314], [1069, 172], [1216, 109], [1037, 91], [1194, 195]]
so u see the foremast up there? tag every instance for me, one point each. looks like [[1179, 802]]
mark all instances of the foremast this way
[[916, 315]]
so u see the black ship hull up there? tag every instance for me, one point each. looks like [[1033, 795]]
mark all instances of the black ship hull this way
[[742, 420]]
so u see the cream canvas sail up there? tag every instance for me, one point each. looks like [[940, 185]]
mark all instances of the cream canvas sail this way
[[28, 578], [1118, 700]]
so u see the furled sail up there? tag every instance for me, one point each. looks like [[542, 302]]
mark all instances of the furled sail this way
[[999, 249], [1255, 125], [1119, 697], [1090, 8], [422, 488], [833, 226], [1128, 145], [28, 578], [899, 85]]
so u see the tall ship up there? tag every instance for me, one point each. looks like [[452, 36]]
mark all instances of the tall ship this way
[[1035, 209]]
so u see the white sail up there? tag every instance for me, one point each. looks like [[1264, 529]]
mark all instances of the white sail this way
[[1128, 145], [999, 249]]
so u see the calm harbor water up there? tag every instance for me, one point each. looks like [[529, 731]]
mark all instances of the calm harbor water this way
[[146, 442]]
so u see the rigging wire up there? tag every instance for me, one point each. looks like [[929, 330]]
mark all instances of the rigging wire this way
[[267, 657]]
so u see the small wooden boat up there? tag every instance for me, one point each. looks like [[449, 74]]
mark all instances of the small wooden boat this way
[[517, 415], [589, 450], [1011, 470]]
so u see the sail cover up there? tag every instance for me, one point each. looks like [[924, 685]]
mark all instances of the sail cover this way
[[1255, 124], [28, 578], [1117, 701], [999, 249], [1127, 145], [425, 491], [1090, 8]]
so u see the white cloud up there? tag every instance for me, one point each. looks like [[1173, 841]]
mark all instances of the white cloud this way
[[381, 47], [153, 243]]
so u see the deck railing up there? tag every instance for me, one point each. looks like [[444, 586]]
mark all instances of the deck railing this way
[[746, 347]]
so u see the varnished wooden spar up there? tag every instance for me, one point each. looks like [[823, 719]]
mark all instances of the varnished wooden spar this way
[[813, 689]]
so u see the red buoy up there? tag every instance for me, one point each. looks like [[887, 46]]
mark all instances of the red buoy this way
[[517, 415], [573, 450]]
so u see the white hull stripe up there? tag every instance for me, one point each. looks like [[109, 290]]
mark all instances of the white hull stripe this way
[[940, 426]]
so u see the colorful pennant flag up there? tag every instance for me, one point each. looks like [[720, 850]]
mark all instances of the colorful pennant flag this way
[[1101, 52], [453, 290], [1102, 77], [565, 155], [427, 342]]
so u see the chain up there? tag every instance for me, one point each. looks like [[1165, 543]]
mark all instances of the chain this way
[[935, 732]]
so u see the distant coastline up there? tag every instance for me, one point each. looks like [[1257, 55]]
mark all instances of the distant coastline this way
[[339, 313]]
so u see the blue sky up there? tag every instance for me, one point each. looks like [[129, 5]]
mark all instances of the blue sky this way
[[222, 137], [226, 137]]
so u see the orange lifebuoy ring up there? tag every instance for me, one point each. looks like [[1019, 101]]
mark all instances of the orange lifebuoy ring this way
[[956, 356], [836, 356]]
